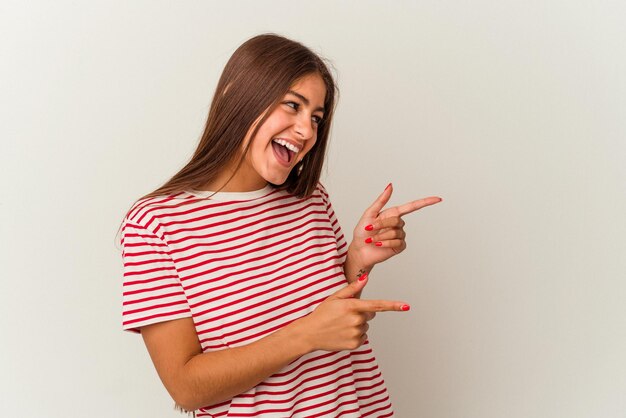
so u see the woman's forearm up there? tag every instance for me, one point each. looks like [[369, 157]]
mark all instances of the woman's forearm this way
[[353, 269], [216, 376]]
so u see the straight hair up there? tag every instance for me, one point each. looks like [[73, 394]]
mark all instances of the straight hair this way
[[256, 77]]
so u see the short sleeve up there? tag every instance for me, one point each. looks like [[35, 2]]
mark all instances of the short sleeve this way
[[152, 291], [339, 236]]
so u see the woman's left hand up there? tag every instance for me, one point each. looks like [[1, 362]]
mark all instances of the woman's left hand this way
[[378, 235]]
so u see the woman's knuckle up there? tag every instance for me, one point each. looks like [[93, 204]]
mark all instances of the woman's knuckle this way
[[348, 306]]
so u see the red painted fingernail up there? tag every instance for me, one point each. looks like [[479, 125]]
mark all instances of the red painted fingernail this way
[[369, 227], [388, 186], [379, 244], [363, 277], [405, 307], [369, 240]]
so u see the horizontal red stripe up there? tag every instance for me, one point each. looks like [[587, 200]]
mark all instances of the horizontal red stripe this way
[[154, 279], [150, 261], [160, 315], [265, 205], [256, 284], [253, 278], [256, 221], [225, 325], [142, 244], [281, 250], [291, 389], [298, 364], [153, 270], [297, 395], [262, 230], [260, 267], [156, 203], [153, 307], [382, 408], [151, 289], [303, 372], [180, 294], [213, 205], [213, 347], [264, 302], [337, 406], [142, 253], [222, 246]]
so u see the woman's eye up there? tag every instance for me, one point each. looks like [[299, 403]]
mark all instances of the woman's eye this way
[[296, 106]]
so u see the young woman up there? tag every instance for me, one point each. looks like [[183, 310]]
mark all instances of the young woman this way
[[236, 271]]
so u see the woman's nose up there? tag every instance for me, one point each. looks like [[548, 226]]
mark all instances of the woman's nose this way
[[304, 127]]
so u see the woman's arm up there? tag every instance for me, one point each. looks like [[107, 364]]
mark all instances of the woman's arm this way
[[195, 379]]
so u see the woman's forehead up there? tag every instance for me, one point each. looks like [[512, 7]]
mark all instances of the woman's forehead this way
[[311, 89]]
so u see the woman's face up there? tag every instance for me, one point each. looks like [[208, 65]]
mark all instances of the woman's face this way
[[286, 136]]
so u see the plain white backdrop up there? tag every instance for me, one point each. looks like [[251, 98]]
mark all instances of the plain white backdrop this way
[[512, 111]]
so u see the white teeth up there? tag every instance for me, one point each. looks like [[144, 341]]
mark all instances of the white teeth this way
[[288, 145]]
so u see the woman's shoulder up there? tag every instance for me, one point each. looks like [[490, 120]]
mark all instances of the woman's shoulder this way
[[144, 210], [323, 191]]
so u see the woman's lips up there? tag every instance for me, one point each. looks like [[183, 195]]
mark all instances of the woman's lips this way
[[279, 158]]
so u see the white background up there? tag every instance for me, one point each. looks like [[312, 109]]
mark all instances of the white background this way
[[512, 111]]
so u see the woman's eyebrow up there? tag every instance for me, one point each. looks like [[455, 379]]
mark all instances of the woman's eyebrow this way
[[304, 99]]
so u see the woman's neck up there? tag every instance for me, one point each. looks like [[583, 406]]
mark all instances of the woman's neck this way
[[242, 181]]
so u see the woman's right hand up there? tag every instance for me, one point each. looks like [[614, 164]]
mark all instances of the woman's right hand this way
[[340, 321]]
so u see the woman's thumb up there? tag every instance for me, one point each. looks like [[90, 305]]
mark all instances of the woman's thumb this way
[[351, 289]]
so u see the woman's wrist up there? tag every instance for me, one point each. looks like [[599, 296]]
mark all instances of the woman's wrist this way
[[353, 268], [296, 334]]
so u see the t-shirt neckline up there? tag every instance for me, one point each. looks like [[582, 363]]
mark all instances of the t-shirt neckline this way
[[254, 194]]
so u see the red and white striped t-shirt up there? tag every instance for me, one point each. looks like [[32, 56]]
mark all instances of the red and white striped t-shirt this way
[[243, 265]]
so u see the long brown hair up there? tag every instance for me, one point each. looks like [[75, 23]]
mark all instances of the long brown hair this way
[[255, 79]]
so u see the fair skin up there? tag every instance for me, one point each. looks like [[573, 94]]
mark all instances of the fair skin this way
[[195, 379], [292, 120]]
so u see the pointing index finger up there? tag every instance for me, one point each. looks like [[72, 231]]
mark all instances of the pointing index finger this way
[[379, 305], [416, 205]]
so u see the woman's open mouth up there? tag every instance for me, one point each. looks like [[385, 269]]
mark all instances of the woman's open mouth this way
[[283, 151]]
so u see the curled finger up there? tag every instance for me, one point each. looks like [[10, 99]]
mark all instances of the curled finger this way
[[398, 245], [395, 233]]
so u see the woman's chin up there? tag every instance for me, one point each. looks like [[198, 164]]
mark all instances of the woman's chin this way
[[277, 178], [276, 181]]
